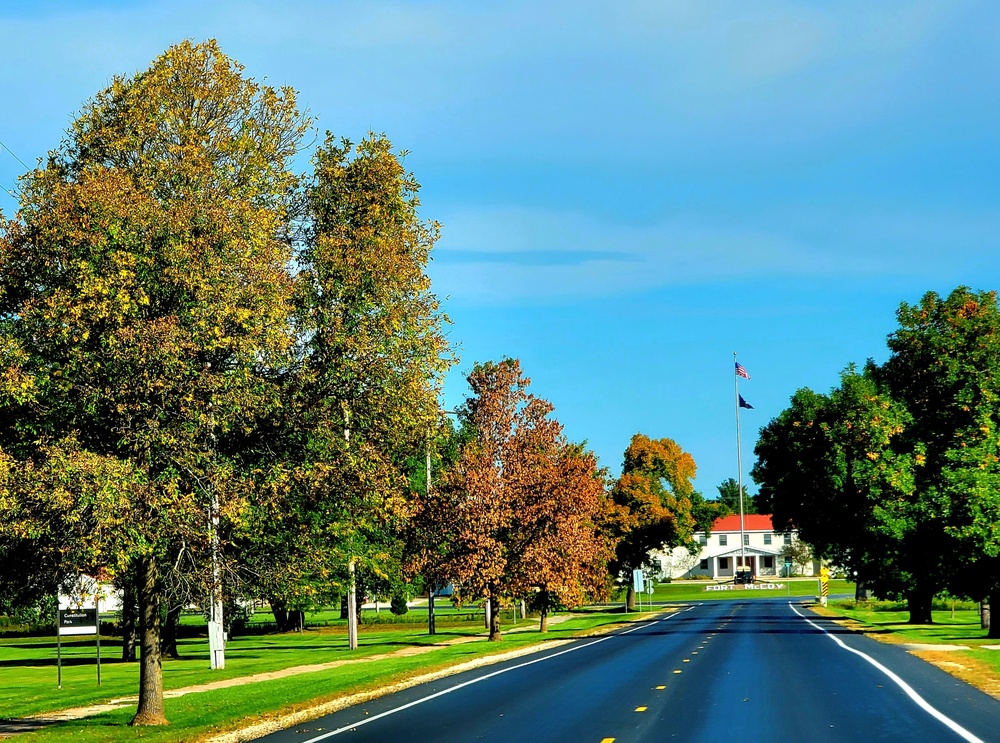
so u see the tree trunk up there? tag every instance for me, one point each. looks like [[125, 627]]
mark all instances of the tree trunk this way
[[280, 613], [169, 644], [296, 620], [630, 598], [495, 635], [343, 606], [860, 591], [128, 625], [150, 710], [992, 630], [543, 622], [918, 603]]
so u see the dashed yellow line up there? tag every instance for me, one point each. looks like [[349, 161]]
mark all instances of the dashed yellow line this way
[[641, 709], [676, 670], [686, 660], [607, 740], [660, 688]]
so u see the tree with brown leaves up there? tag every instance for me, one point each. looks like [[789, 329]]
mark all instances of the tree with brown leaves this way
[[518, 514]]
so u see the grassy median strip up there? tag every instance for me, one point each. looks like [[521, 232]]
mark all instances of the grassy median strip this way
[[27, 685]]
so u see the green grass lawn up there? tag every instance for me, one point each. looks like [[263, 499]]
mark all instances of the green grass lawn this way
[[28, 671], [28, 678]]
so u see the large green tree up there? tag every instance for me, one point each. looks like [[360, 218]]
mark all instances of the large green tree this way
[[144, 286], [361, 389], [945, 367], [895, 473], [835, 467]]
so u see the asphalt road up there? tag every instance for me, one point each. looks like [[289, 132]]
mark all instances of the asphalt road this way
[[762, 670]]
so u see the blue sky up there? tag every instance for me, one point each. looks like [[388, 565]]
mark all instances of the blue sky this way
[[629, 191]]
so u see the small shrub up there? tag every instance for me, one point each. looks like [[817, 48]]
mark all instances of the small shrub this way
[[398, 605]]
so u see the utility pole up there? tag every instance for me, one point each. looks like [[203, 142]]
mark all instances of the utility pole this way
[[352, 609], [216, 632], [431, 587], [352, 596], [216, 625]]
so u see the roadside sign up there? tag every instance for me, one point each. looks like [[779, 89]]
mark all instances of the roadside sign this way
[[70, 622], [638, 580], [78, 621]]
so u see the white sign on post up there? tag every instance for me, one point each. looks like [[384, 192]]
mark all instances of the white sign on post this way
[[638, 580]]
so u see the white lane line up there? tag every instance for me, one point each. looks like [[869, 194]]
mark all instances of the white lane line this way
[[907, 689], [462, 685]]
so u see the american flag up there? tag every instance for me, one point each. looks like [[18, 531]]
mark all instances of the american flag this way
[[741, 371]]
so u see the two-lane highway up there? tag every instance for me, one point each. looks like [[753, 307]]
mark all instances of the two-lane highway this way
[[761, 670]]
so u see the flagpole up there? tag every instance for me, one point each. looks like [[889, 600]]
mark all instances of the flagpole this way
[[739, 465]]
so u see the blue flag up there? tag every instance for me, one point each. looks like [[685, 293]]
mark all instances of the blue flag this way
[[745, 404]]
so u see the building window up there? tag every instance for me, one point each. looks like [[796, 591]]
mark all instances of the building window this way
[[746, 540], [723, 563], [703, 539], [788, 539], [767, 539], [703, 565], [723, 540], [768, 562]]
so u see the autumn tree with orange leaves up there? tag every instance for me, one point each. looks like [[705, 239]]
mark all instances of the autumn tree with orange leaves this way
[[567, 545], [519, 512], [658, 505]]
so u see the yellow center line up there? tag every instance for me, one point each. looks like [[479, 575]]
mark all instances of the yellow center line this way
[[641, 709], [676, 671], [661, 688], [686, 660], [607, 740]]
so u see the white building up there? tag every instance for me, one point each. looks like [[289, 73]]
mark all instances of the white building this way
[[721, 551]]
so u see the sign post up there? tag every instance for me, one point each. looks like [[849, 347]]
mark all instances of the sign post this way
[[638, 583], [77, 622], [824, 584]]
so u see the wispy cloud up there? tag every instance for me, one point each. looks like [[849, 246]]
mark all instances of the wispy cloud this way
[[511, 255]]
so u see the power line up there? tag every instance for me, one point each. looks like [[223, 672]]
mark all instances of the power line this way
[[14, 155], [12, 192]]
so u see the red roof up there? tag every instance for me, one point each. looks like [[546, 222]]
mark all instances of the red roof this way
[[751, 522]]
